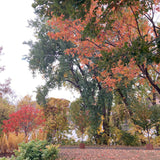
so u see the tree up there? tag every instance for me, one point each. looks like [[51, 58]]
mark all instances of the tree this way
[[126, 51], [24, 120], [5, 109], [57, 125], [79, 117], [106, 33], [146, 117], [80, 8], [47, 56], [26, 100], [5, 106], [5, 86]]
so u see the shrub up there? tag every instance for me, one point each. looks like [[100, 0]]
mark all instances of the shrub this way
[[9, 142], [128, 139], [6, 158], [156, 141], [50, 152], [36, 150]]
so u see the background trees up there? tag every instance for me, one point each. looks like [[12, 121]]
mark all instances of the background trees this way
[[5, 110], [4, 86], [57, 124], [79, 117], [6, 107]]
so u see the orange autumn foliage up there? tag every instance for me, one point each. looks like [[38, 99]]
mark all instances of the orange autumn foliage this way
[[126, 27]]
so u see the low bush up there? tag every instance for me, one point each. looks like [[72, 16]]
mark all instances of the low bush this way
[[37, 150], [6, 158]]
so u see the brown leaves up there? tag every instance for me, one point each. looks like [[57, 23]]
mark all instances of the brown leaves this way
[[109, 154]]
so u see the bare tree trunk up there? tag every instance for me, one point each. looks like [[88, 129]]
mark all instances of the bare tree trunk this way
[[148, 136]]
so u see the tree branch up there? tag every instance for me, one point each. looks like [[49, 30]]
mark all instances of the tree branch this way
[[136, 22]]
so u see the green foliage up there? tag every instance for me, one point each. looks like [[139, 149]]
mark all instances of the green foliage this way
[[50, 153], [36, 150], [69, 141], [79, 116], [31, 150], [142, 118], [155, 116], [42, 7], [5, 110], [128, 139], [47, 56], [4, 158], [146, 117], [79, 8]]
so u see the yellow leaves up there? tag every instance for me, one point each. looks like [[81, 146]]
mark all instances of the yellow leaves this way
[[100, 129], [51, 146], [56, 115], [54, 102], [27, 100]]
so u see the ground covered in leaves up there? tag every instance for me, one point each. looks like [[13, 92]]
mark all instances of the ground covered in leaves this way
[[108, 154]]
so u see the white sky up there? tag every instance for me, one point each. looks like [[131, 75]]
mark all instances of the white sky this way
[[14, 16]]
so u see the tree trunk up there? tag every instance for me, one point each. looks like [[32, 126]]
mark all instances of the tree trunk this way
[[154, 103], [106, 129], [157, 129], [125, 101], [82, 137], [151, 81], [148, 136]]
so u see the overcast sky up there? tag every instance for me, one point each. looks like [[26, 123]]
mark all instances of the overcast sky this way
[[14, 16]]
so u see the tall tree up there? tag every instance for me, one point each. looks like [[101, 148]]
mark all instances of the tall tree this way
[[48, 57], [125, 51], [132, 47]]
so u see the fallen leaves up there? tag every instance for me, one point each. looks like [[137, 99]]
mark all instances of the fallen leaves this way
[[108, 154]]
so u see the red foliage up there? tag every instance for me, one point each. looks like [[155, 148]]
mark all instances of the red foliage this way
[[24, 120]]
